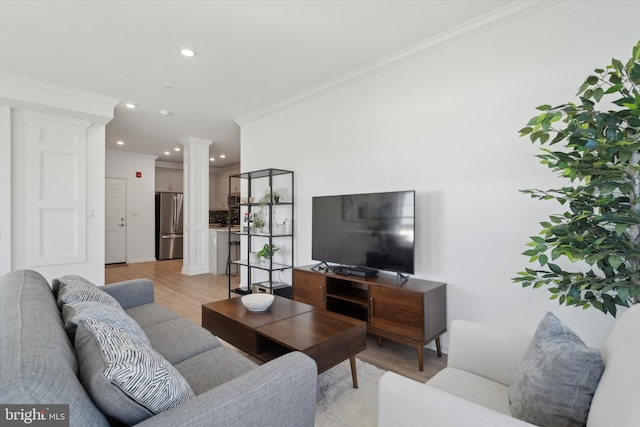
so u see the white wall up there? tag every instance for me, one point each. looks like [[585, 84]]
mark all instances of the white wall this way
[[140, 201], [446, 125]]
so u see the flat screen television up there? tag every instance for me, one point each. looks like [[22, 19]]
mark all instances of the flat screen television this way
[[374, 230]]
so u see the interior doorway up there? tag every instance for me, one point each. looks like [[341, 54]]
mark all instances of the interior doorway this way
[[115, 221]]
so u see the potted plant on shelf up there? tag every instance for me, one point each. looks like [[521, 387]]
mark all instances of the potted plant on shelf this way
[[267, 251], [600, 156], [258, 223], [275, 198]]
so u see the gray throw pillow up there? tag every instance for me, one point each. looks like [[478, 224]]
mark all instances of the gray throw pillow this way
[[127, 379], [75, 312], [554, 383], [76, 288]]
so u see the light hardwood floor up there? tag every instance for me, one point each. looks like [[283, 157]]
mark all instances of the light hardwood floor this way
[[186, 294]]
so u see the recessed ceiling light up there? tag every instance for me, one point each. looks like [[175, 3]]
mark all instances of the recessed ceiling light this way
[[166, 153], [187, 52], [223, 156], [165, 113], [120, 142], [176, 149], [130, 105], [211, 159]]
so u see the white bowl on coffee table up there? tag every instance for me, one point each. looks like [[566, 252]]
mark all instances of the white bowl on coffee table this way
[[257, 301]]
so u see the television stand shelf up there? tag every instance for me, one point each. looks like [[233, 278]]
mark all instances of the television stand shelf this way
[[412, 312]]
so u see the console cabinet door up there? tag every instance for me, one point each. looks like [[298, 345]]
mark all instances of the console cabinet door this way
[[310, 288], [396, 311]]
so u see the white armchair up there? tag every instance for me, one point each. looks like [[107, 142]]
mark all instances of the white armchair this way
[[473, 390]]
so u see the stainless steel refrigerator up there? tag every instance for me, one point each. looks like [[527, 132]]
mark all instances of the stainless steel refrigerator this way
[[169, 225]]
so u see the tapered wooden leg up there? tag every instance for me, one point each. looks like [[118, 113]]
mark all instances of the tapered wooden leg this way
[[379, 341], [420, 357], [354, 372], [438, 349]]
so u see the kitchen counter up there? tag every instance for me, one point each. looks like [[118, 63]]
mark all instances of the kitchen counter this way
[[223, 227], [219, 249]]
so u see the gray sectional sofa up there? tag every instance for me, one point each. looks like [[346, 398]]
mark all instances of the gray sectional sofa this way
[[41, 364]]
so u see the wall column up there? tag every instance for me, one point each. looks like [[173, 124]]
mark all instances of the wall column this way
[[52, 149], [5, 189], [196, 205]]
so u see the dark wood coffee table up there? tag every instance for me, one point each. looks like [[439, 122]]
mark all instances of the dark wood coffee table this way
[[288, 325]]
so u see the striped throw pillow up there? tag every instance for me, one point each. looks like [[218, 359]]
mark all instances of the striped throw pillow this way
[[75, 312], [127, 379], [76, 288]]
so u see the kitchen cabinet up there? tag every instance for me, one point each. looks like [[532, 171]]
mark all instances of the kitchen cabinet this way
[[221, 183], [222, 192], [169, 181]]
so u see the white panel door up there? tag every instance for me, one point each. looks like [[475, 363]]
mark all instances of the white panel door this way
[[115, 221], [57, 189]]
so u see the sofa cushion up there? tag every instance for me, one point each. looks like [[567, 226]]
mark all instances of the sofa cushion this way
[[150, 314], [215, 367], [180, 339], [556, 378], [76, 288], [126, 378], [474, 388], [76, 312]]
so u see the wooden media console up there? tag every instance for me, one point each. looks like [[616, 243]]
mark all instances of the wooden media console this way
[[411, 311]]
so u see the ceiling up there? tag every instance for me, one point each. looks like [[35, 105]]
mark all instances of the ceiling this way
[[249, 55]]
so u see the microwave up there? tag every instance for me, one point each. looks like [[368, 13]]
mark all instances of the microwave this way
[[234, 199]]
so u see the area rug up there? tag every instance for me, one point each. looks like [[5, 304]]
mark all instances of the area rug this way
[[341, 405]]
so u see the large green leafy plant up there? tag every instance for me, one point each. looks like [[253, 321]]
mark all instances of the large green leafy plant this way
[[595, 144]]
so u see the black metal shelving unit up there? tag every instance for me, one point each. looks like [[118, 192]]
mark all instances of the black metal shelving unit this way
[[257, 194]]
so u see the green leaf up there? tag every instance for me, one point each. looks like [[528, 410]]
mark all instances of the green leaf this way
[[617, 65], [543, 259], [621, 228], [623, 293], [613, 89], [615, 261], [597, 94], [555, 268]]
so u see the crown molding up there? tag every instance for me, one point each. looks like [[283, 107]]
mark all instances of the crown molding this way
[[122, 153], [21, 92], [162, 164], [501, 16]]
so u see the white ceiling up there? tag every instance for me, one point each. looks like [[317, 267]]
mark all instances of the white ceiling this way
[[250, 55]]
